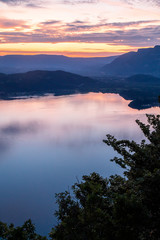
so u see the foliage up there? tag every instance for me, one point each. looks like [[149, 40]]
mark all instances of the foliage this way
[[25, 232], [117, 208]]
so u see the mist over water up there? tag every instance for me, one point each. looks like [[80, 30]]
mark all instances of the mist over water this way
[[46, 143]]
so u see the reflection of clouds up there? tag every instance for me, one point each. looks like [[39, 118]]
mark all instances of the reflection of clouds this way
[[74, 144], [19, 128], [4, 145], [100, 100], [91, 134], [74, 136], [15, 129], [69, 121]]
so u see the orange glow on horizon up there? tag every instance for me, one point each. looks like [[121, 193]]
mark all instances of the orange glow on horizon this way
[[68, 49], [78, 28]]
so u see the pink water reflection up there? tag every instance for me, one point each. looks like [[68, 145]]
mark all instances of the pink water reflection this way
[[85, 118]]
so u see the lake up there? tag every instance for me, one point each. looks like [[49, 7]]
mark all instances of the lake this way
[[47, 143]]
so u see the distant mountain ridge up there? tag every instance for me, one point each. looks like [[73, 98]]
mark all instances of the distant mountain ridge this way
[[25, 63], [144, 61]]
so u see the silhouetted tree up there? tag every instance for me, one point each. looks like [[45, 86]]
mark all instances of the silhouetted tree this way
[[25, 232]]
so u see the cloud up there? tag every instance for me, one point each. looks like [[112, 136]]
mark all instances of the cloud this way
[[136, 33], [26, 3], [51, 22], [12, 23], [13, 2], [84, 26], [73, 2], [153, 2], [33, 5], [40, 3], [134, 37], [10, 1]]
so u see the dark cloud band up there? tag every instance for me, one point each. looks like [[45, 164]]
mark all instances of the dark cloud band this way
[[73, 2], [26, 3], [153, 2], [13, 2], [147, 36]]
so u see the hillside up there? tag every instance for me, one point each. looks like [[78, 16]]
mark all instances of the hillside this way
[[39, 82], [144, 61]]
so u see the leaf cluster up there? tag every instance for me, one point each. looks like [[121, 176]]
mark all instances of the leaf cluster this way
[[25, 232]]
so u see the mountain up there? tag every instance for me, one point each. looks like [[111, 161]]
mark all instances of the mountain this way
[[25, 63], [41, 82], [144, 61]]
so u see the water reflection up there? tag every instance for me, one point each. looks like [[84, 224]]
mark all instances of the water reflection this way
[[10, 132], [17, 128], [48, 142], [4, 145]]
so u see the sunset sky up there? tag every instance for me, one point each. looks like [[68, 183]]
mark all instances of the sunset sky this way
[[78, 27]]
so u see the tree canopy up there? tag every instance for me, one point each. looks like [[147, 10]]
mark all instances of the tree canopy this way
[[25, 232], [119, 207]]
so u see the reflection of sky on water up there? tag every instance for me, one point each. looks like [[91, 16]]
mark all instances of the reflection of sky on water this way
[[47, 142]]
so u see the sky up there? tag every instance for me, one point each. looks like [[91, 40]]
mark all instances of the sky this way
[[78, 28]]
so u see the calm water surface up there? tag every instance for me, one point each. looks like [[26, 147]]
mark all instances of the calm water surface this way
[[47, 143]]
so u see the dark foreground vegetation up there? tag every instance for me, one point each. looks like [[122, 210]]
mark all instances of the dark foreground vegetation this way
[[116, 208], [25, 232]]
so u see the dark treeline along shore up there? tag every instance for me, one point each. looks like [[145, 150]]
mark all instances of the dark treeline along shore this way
[[41, 82], [135, 76], [142, 89]]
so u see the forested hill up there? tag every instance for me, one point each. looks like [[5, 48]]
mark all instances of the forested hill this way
[[47, 81]]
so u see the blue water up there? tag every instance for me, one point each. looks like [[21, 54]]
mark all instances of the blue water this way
[[46, 143]]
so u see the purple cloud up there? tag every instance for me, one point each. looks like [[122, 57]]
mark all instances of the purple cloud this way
[[27, 3], [146, 36]]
